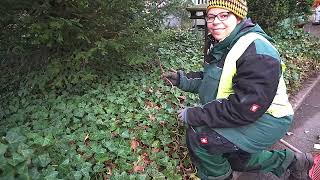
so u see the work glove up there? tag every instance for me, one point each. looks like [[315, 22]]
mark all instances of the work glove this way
[[171, 78], [182, 115]]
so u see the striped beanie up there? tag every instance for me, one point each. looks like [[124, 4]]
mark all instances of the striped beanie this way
[[238, 7]]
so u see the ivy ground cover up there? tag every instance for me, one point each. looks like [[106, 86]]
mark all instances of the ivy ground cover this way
[[95, 121]]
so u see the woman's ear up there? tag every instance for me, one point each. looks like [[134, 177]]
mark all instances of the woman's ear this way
[[238, 20]]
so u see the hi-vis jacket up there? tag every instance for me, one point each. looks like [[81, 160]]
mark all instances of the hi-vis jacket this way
[[241, 89]]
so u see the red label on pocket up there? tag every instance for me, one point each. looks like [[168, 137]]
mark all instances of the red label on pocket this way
[[254, 108], [204, 140]]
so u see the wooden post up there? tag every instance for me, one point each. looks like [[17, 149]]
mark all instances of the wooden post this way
[[193, 15]]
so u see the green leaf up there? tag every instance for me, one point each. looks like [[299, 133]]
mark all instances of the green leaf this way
[[78, 113], [8, 173], [3, 149], [122, 176], [77, 175], [102, 157], [34, 173], [99, 167], [51, 175], [22, 169], [14, 136], [86, 168], [48, 140], [44, 160], [16, 159], [125, 134], [65, 162], [26, 153]]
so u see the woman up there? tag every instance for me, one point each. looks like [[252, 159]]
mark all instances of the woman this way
[[316, 6], [245, 108]]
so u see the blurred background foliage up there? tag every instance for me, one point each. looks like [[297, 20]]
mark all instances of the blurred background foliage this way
[[268, 13]]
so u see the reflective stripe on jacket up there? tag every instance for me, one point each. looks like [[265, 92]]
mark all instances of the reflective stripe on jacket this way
[[280, 105]]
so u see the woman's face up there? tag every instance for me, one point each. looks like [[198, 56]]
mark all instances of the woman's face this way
[[221, 22]]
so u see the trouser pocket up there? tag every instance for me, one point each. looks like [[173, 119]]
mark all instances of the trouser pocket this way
[[210, 140]]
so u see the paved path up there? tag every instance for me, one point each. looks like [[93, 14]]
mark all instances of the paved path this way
[[305, 131], [306, 126]]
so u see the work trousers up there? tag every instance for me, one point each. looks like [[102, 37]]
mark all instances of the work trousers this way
[[215, 158]]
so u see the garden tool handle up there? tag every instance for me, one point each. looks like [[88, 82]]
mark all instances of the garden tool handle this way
[[290, 146]]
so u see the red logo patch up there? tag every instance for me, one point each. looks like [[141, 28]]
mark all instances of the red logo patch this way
[[254, 108], [204, 140]]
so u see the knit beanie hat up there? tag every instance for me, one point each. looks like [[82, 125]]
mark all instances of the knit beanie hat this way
[[238, 7]]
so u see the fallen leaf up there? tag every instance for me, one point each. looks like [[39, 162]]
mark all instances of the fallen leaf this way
[[134, 144], [150, 104], [152, 117], [146, 159], [156, 150], [162, 123], [138, 168]]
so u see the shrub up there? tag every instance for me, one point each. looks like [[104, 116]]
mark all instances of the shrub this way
[[268, 12]]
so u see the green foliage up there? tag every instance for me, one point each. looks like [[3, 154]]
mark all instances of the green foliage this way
[[66, 123], [268, 12], [82, 30], [299, 51]]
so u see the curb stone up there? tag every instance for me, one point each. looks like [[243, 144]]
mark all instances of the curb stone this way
[[297, 100]]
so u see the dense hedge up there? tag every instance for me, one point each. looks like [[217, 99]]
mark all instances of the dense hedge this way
[[82, 30]]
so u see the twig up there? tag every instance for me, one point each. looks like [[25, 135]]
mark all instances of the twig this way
[[160, 65], [290, 146], [162, 72], [173, 70]]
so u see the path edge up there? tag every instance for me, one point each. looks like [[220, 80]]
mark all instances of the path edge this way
[[297, 100]]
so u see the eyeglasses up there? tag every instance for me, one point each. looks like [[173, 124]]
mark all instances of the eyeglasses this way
[[221, 16]]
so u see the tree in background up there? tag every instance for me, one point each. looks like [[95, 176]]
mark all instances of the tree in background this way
[[268, 12]]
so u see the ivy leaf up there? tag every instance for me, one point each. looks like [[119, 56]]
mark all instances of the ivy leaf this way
[[52, 175], [77, 175], [3, 149], [86, 168], [47, 141], [16, 159], [122, 176], [65, 162], [44, 160], [110, 146], [23, 171], [26, 153], [101, 157], [78, 113], [34, 173], [99, 167], [125, 134], [8, 172], [14, 136]]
